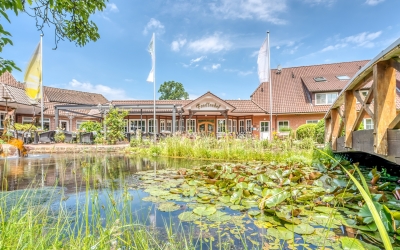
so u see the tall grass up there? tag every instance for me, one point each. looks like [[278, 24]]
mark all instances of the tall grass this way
[[226, 148]]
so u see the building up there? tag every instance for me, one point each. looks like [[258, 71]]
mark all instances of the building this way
[[300, 95]]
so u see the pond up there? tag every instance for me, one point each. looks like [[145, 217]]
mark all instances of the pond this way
[[186, 204]]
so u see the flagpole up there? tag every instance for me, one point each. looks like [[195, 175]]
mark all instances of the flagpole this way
[[154, 85], [270, 89], [41, 80]]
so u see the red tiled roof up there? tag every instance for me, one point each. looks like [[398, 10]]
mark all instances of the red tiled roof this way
[[245, 106], [332, 83], [8, 79], [73, 96], [290, 95]]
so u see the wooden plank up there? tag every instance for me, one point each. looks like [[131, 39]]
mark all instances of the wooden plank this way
[[350, 114], [395, 63], [370, 96], [363, 81], [395, 124], [359, 120], [335, 121], [328, 130], [384, 104]]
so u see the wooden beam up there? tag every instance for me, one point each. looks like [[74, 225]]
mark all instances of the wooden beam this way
[[368, 99], [362, 82], [395, 124], [350, 114], [384, 104], [328, 130], [395, 63], [335, 121], [359, 120]]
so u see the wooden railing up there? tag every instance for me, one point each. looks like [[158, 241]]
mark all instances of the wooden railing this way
[[348, 111]]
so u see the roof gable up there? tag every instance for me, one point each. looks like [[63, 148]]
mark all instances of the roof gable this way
[[208, 102]]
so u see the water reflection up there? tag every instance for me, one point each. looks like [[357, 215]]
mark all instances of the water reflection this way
[[69, 170]]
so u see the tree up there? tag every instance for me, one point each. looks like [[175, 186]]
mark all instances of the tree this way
[[115, 125], [172, 90], [70, 19]]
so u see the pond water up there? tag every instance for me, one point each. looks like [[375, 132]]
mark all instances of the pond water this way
[[105, 185]]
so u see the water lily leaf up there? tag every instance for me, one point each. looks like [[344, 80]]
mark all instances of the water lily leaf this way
[[322, 238], [152, 199], [326, 210], [168, 207], [159, 192], [288, 218], [351, 244], [175, 190], [204, 211], [236, 196], [219, 217], [242, 185], [301, 228], [262, 178], [224, 199], [280, 233], [275, 197], [188, 216], [237, 207], [253, 212], [262, 224]]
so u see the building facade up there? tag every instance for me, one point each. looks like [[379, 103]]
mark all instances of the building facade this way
[[300, 95]]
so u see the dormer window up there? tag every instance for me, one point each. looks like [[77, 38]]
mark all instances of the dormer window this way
[[320, 79], [325, 98], [343, 77]]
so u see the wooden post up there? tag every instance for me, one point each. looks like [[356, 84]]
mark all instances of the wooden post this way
[[384, 104], [335, 123], [350, 115], [328, 129]]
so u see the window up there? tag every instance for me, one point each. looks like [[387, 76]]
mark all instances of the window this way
[[368, 123], [264, 127], [169, 126], [325, 98], [177, 127], [320, 79], [311, 121], [283, 126], [241, 126], [2, 116], [234, 126], [151, 125], [343, 77], [248, 125], [221, 125], [230, 125], [79, 123], [126, 125], [191, 125], [162, 125], [27, 120], [46, 123], [137, 124]]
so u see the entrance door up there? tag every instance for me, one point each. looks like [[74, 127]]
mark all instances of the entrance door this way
[[64, 125], [264, 130], [206, 128]]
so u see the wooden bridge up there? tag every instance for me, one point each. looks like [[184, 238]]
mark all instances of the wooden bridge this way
[[343, 119]]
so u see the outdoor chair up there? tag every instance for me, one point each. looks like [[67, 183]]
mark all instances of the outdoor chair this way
[[87, 137], [47, 136], [69, 137]]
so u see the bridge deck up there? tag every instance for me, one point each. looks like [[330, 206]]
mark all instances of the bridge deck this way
[[363, 141]]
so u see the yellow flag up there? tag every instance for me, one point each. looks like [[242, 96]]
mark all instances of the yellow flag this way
[[33, 76]]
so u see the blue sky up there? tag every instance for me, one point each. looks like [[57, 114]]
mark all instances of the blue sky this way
[[206, 45]]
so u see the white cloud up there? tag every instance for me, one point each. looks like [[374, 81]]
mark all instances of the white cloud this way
[[112, 7], [154, 25], [210, 44], [178, 44], [334, 47], [212, 67], [128, 80], [109, 93], [195, 61], [363, 39], [374, 2], [193, 96], [250, 9], [216, 66]]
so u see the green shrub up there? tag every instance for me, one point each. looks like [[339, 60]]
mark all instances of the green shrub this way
[[92, 126], [306, 131], [320, 131], [24, 127], [59, 136]]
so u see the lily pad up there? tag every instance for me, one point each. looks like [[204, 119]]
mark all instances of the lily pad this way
[[168, 207], [351, 244], [253, 212], [280, 233], [204, 211], [301, 228], [219, 217], [188, 216]]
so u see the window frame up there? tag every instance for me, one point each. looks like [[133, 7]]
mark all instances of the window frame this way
[[152, 126], [312, 121], [279, 126], [221, 129], [261, 126], [191, 125], [249, 128], [242, 128], [138, 121], [326, 98], [234, 125], [365, 123]]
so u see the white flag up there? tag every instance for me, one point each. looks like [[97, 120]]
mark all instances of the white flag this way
[[151, 50], [263, 65]]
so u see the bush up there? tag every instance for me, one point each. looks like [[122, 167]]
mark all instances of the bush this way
[[320, 131], [306, 131], [59, 136], [92, 126], [24, 127]]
